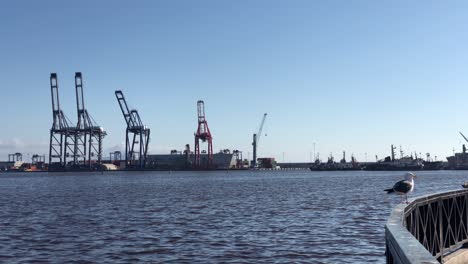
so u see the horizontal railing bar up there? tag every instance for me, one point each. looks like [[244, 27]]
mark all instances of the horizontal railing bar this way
[[422, 200]]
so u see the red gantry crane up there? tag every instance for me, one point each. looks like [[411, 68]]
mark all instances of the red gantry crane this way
[[203, 133]]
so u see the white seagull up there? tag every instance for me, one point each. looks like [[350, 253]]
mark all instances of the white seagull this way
[[403, 187]]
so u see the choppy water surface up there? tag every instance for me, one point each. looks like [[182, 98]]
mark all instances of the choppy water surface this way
[[202, 217]]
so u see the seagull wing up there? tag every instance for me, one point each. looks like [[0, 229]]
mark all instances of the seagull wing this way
[[402, 186]]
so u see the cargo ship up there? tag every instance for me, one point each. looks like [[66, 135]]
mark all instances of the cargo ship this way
[[390, 163], [459, 161], [331, 165], [435, 165], [406, 163]]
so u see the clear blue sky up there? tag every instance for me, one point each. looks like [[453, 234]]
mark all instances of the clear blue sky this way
[[347, 75]]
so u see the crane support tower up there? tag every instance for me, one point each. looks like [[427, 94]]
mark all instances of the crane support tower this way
[[137, 149], [256, 140], [88, 136], [60, 133], [203, 133]]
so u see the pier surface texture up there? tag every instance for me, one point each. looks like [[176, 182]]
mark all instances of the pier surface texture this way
[[431, 229]]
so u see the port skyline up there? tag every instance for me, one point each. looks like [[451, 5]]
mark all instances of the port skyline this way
[[360, 97]]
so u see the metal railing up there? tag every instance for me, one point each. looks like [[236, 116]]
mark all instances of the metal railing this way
[[428, 228]]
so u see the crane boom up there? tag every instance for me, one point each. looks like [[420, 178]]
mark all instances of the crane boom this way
[[261, 128], [125, 110], [463, 136], [59, 118], [256, 140]]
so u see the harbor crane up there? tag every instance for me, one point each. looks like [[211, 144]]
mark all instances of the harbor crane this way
[[136, 150], [463, 136], [464, 147], [203, 133], [62, 135], [256, 140], [88, 136]]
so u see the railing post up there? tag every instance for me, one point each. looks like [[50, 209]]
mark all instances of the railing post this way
[[466, 218], [441, 230]]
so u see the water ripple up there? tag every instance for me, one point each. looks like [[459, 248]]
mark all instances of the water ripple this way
[[211, 217]]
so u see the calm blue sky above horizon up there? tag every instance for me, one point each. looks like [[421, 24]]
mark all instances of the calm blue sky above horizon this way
[[345, 75]]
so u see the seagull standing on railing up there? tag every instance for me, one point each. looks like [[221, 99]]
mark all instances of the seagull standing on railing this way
[[403, 187]]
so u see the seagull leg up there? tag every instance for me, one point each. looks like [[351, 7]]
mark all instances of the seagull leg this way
[[406, 195]]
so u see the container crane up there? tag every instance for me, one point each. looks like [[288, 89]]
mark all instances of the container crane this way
[[137, 149], [62, 135], [463, 146], [256, 140], [203, 133], [88, 136]]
